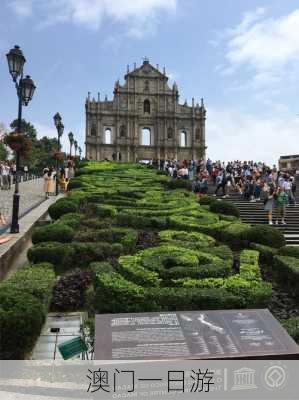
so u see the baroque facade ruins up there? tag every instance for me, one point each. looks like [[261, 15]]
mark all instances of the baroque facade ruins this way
[[144, 121]]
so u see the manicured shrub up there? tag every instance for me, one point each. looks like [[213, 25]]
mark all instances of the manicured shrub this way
[[286, 270], [267, 253], [189, 223], [235, 235], [115, 294], [21, 318], [68, 293], [61, 207], [172, 299], [266, 235], [58, 254], [38, 280], [85, 253], [224, 207], [72, 219], [132, 270], [75, 184], [290, 251], [101, 267], [192, 240], [207, 200], [173, 184], [57, 232], [106, 211], [125, 236], [292, 327]]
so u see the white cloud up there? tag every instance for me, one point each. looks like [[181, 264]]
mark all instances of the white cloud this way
[[139, 16], [232, 135], [267, 46]]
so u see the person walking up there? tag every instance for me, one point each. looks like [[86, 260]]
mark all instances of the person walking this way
[[281, 202]]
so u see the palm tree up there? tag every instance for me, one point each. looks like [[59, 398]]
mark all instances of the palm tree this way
[[76, 147], [80, 151], [71, 139]]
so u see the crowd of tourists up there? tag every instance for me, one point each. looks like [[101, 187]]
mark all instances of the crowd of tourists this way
[[8, 174], [254, 181], [64, 174]]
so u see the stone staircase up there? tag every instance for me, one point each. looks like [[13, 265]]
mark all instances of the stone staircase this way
[[254, 213]]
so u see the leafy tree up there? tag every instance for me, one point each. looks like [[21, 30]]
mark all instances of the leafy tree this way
[[42, 151]]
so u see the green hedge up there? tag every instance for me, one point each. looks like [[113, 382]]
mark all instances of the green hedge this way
[[61, 207], [290, 251], [287, 272], [73, 220], [236, 235], [24, 301], [58, 254], [224, 207], [57, 232], [21, 319], [115, 294], [106, 211], [125, 236], [292, 327], [192, 240], [267, 253], [132, 270], [65, 256], [173, 184], [249, 265], [37, 280], [266, 235]]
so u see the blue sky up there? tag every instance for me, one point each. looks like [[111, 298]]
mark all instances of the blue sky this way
[[242, 56]]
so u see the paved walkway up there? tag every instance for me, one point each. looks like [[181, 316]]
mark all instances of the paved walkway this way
[[31, 194]]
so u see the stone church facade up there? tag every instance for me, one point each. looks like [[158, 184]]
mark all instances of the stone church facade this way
[[144, 121]]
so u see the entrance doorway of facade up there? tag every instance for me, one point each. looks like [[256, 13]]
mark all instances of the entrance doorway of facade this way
[[183, 139], [145, 137]]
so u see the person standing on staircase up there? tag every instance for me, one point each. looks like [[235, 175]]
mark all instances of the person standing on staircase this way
[[281, 202], [270, 203]]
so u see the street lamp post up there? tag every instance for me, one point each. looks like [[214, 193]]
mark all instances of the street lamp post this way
[[25, 89], [60, 127]]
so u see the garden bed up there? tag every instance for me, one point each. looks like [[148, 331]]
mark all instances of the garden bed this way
[[126, 240]]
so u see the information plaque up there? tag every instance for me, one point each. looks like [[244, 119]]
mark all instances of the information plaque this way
[[213, 334]]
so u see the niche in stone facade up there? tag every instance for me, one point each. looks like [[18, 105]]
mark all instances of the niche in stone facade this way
[[169, 133], [122, 131], [146, 106], [93, 129]]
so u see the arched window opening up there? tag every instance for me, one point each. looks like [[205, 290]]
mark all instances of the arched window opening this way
[[147, 106], [108, 136], [183, 139], [122, 133], [169, 133], [146, 137]]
